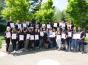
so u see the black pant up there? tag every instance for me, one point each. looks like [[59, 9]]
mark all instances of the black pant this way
[[81, 46], [20, 44], [36, 44], [7, 44], [14, 44]]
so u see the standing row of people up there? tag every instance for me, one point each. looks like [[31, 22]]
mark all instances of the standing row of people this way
[[33, 36]]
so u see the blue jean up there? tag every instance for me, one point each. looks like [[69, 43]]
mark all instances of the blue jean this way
[[69, 42], [75, 44], [41, 43]]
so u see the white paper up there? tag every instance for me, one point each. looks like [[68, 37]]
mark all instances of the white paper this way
[[28, 36], [27, 23], [63, 24], [37, 26], [55, 24], [41, 33], [52, 34], [76, 36], [24, 25], [21, 37], [36, 37], [31, 37], [48, 26], [60, 24], [19, 26], [43, 25], [8, 34], [12, 25], [13, 36], [63, 36], [69, 34], [58, 37]]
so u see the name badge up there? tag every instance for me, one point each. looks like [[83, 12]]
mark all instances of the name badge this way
[[63, 36], [76, 36], [41, 33], [48, 26], [43, 25], [31, 37], [13, 36], [19, 26], [28, 36], [24, 25], [55, 24], [12, 25], [21, 37], [69, 34], [63, 25], [58, 36], [36, 37], [8, 34]]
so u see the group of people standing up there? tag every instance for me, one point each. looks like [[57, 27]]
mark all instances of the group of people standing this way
[[31, 36]]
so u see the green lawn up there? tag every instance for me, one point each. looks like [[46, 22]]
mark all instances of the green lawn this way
[[1, 39], [86, 39]]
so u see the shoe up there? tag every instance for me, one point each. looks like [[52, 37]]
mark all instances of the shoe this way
[[13, 52]]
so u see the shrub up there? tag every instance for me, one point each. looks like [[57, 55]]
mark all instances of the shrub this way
[[0, 43]]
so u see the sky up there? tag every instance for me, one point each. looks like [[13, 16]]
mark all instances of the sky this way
[[60, 4]]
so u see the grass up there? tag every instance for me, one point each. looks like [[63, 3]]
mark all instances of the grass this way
[[86, 39], [1, 40]]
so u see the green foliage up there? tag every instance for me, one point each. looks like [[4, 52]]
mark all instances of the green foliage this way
[[45, 13], [0, 43], [17, 10], [78, 12], [2, 4], [58, 15], [2, 28]]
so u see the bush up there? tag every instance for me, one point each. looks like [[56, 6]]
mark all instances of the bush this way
[[86, 39], [0, 43], [2, 28]]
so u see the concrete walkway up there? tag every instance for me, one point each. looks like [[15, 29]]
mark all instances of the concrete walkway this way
[[33, 57]]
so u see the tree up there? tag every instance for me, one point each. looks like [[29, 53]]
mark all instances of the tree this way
[[46, 12], [17, 10], [78, 11], [2, 4]]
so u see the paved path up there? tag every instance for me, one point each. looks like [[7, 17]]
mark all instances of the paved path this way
[[32, 58]]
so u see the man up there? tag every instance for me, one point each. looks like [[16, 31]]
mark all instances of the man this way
[[81, 42]]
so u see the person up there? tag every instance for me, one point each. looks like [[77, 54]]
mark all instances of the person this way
[[82, 42], [32, 38], [41, 40], [9, 21], [26, 45], [20, 39], [14, 39], [69, 39], [54, 38], [7, 38], [49, 33], [63, 25], [63, 40], [36, 34], [58, 38]]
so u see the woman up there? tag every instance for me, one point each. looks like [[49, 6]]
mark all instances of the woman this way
[[63, 39], [14, 39], [58, 39], [7, 38], [20, 39]]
